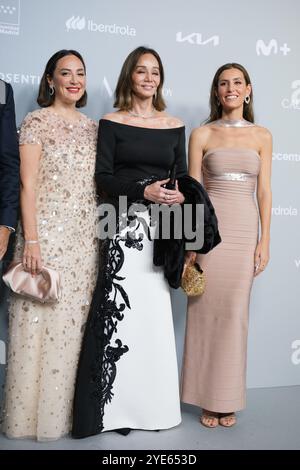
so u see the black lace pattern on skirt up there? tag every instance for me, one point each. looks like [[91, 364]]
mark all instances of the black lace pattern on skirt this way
[[111, 309]]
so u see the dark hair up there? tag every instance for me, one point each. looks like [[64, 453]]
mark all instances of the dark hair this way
[[215, 107], [44, 98], [123, 98]]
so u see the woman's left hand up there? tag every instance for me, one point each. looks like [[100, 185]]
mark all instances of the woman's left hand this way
[[261, 257], [189, 258]]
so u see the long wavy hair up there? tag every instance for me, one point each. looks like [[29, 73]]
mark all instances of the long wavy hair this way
[[216, 107], [123, 93]]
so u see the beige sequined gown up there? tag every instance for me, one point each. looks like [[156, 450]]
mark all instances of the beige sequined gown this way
[[214, 365], [45, 340]]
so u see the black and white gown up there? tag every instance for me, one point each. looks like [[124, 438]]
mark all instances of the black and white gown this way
[[127, 375]]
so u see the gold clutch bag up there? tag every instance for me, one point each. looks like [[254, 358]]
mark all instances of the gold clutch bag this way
[[44, 287], [193, 280]]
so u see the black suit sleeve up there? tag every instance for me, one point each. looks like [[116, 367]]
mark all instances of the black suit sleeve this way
[[180, 155], [106, 181], [9, 162]]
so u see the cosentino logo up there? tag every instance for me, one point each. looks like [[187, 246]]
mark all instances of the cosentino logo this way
[[20, 78], [77, 23], [288, 211], [286, 157]]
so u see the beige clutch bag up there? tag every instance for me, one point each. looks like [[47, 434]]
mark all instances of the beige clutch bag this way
[[193, 281], [44, 287]]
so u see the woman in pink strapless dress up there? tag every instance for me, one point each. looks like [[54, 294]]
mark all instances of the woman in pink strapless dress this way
[[234, 156]]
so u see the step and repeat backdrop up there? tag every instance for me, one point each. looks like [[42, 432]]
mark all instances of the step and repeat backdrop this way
[[194, 38]]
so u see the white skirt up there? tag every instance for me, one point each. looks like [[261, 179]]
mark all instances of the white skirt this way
[[127, 375], [145, 392]]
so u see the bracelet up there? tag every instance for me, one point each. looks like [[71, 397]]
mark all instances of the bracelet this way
[[8, 228], [31, 242]]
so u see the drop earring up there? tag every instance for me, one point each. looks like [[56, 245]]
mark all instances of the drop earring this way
[[247, 99]]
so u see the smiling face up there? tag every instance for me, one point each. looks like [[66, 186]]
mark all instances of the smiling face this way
[[232, 89], [146, 76], [68, 79]]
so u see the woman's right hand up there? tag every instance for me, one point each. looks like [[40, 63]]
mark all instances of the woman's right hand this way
[[32, 259]]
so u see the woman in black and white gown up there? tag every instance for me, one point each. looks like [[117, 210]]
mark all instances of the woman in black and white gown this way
[[128, 376]]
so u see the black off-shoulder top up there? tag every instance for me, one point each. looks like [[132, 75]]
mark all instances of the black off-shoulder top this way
[[128, 154]]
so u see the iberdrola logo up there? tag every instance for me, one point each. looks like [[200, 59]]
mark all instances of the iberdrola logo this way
[[75, 22]]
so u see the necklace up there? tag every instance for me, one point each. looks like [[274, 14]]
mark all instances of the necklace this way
[[232, 123], [143, 116]]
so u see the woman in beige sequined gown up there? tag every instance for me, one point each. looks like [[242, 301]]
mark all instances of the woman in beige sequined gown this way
[[234, 155], [58, 148]]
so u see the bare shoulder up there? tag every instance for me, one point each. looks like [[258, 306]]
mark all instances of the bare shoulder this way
[[201, 133], [263, 134], [171, 121], [175, 122]]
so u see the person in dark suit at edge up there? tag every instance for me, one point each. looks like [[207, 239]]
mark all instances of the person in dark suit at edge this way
[[9, 195], [9, 167]]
